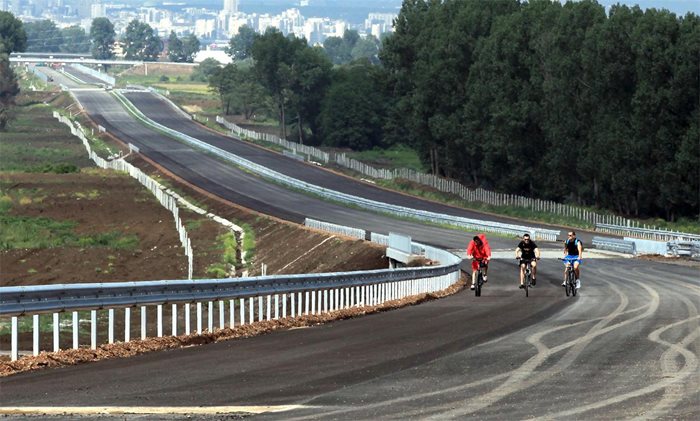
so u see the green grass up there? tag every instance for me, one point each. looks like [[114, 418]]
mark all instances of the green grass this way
[[248, 244], [17, 232], [228, 258], [396, 157], [183, 87], [35, 142]]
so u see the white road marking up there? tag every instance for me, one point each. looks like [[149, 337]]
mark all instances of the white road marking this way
[[152, 410]]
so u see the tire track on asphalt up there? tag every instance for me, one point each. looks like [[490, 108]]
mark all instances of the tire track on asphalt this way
[[536, 340], [669, 368], [691, 364], [521, 378]]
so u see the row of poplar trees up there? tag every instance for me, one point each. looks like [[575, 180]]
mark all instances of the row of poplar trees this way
[[568, 102]]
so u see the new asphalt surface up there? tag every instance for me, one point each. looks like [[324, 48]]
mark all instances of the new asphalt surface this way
[[626, 347]]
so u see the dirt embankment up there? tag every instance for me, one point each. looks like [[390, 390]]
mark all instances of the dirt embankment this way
[[97, 202]]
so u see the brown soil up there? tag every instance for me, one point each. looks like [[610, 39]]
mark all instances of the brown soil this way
[[119, 203]]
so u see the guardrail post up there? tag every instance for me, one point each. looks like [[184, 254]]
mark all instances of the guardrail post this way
[[143, 323], [306, 304], [35, 331], [187, 319], [127, 324], [284, 306], [174, 319], [242, 309], [269, 306], [325, 301], [93, 329], [110, 326], [222, 324], [210, 317], [14, 353], [260, 309], [293, 304], [313, 302], [160, 320], [75, 330], [56, 333], [277, 306], [232, 312], [251, 306], [199, 318]]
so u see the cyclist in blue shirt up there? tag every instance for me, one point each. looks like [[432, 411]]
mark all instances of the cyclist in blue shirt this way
[[573, 250]]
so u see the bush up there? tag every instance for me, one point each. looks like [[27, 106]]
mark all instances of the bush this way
[[164, 78]]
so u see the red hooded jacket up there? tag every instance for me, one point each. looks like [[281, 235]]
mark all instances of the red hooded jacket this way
[[479, 252]]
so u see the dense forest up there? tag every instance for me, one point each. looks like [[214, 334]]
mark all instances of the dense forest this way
[[561, 102], [565, 102], [568, 102]]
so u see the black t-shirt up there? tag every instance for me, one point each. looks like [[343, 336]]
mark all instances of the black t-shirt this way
[[527, 250], [572, 247]]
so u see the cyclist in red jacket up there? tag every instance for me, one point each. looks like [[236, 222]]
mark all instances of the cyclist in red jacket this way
[[478, 249]]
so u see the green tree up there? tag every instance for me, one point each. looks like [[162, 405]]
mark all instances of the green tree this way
[[102, 37], [43, 36], [273, 54], [8, 91], [12, 34], [205, 70], [366, 48], [190, 47], [75, 40], [141, 42], [307, 78], [175, 50], [340, 49], [353, 108], [238, 90], [241, 44], [336, 51]]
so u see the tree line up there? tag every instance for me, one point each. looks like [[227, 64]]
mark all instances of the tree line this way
[[140, 41], [565, 102]]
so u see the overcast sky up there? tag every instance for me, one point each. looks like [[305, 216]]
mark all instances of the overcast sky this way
[[679, 7]]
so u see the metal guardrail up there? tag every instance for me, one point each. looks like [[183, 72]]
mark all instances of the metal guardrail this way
[[335, 228], [303, 294], [684, 249], [437, 218], [94, 73], [612, 244], [651, 234], [17, 301]]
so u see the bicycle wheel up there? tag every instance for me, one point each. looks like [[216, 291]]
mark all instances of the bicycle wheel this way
[[572, 279], [479, 282], [567, 285], [527, 285]]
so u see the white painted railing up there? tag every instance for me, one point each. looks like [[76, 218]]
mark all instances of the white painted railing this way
[[296, 147], [94, 73], [165, 199], [475, 224], [228, 303]]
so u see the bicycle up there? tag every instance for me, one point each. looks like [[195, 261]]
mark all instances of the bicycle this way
[[569, 277], [528, 275], [479, 278]]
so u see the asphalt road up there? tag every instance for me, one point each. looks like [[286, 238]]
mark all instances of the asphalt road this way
[[626, 347]]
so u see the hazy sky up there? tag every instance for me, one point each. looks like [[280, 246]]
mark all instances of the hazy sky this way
[[679, 7]]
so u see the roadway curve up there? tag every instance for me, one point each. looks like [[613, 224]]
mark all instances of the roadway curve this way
[[627, 346]]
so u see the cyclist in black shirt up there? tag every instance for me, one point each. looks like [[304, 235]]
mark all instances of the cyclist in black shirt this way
[[573, 252], [527, 250]]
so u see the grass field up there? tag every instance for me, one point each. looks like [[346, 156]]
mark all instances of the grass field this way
[[35, 142], [395, 157]]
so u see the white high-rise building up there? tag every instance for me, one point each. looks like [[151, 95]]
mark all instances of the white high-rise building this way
[[230, 7], [98, 10]]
